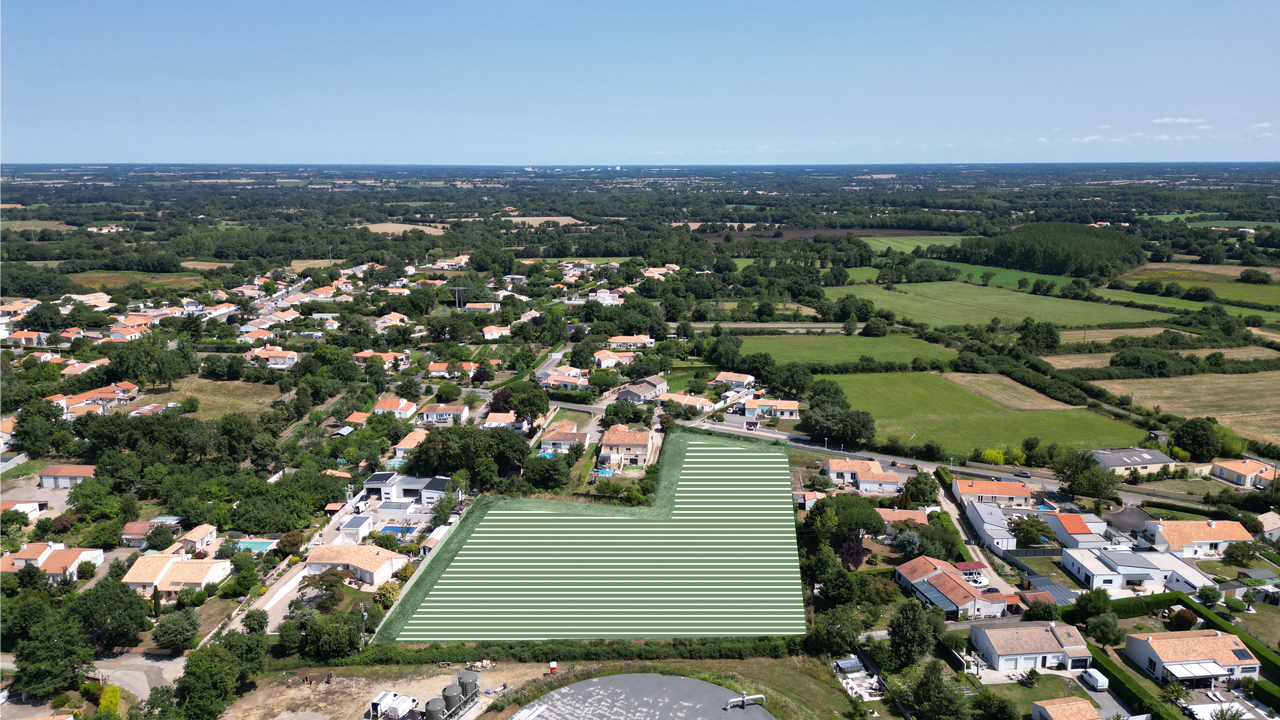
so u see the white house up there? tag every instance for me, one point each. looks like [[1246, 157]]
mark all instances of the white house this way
[[561, 436], [198, 538], [440, 414], [56, 560], [1121, 461], [630, 342], [371, 565], [401, 408], [868, 476], [1125, 570], [1270, 525], [505, 420], [276, 357], [355, 529], [767, 407], [736, 381], [992, 525], [1247, 472], [1194, 538], [1003, 493], [1077, 530], [493, 332], [1040, 645], [1193, 657], [409, 442]]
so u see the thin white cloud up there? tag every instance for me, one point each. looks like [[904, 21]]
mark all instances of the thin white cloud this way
[[1091, 138], [1265, 135], [1180, 121], [1104, 127], [1177, 138], [1204, 127], [1259, 125], [1041, 140]]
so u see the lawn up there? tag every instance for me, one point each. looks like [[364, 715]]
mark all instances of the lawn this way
[[1222, 569], [34, 225], [110, 278], [714, 554], [1245, 403], [836, 348], [1052, 570], [682, 381], [1049, 687], [1194, 487], [216, 398], [1263, 623], [932, 408], [957, 303], [579, 418]]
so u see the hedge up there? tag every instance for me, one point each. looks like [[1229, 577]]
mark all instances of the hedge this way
[[576, 651], [1209, 512], [1131, 607], [1127, 687]]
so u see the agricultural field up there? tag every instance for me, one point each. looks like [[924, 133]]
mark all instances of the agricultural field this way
[[1175, 304], [932, 408], [956, 303], [1233, 224], [1108, 334], [217, 398], [1004, 277], [835, 348], [391, 228], [909, 243], [1223, 280], [202, 265], [1248, 352], [110, 278], [713, 555], [1005, 392], [34, 225], [1248, 404], [297, 265]]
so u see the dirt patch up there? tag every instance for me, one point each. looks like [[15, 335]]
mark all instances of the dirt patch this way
[[390, 228], [281, 697], [539, 219], [216, 398], [1005, 392], [202, 265], [297, 265], [1107, 335], [1244, 403]]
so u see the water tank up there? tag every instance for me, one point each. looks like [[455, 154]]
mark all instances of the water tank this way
[[469, 682], [452, 695], [434, 710]]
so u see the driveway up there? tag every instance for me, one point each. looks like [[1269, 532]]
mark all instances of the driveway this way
[[1108, 702], [28, 489], [120, 553]]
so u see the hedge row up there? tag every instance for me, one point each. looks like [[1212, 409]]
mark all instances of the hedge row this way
[[1127, 687], [1269, 660], [1161, 505], [1055, 389], [1130, 607], [576, 651]]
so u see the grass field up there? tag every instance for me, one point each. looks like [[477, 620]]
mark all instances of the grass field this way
[[203, 265], [297, 265], [1245, 403], [108, 278], [836, 348], [579, 418], [1107, 334], [932, 408], [1176, 304], [1249, 352], [1049, 568], [1005, 392], [1233, 224], [713, 555], [907, 244], [955, 303], [34, 224], [216, 398], [1222, 280]]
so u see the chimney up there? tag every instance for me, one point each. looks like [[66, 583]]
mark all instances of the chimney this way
[[1217, 633], [1212, 524], [1148, 638], [1053, 624]]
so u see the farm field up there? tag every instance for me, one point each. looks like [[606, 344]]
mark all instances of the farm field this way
[[837, 348], [202, 265], [1005, 392], [1004, 277], [932, 408], [909, 243], [539, 219], [297, 265], [955, 303], [1108, 334], [1249, 352], [217, 398], [1230, 271], [34, 224], [1224, 284], [1245, 403], [109, 278], [391, 228], [1234, 223], [713, 555], [1175, 304]]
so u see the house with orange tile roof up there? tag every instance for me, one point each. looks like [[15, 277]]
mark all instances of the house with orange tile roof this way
[[505, 420], [1193, 538], [1270, 525], [1065, 708], [277, 358], [54, 559], [893, 515], [1077, 530], [198, 537], [1247, 472], [768, 407], [1012, 493], [493, 332], [700, 404], [736, 381], [79, 368], [937, 583], [621, 446], [401, 408], [609, 358], [450, 369], [409, 442], [29, 337], [1030, 645], [630, 342], [1192, 657], [371, 564], [439, 414], [561, 436], [391, 362], [481, 307], [868, 476]]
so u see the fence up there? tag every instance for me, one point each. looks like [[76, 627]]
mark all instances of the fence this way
[[13, 462], [1034, 552]]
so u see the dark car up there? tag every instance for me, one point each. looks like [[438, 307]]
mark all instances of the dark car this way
[[988, 591], [1022, 473]]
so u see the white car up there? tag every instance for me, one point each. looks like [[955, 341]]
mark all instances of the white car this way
[[979, 582]]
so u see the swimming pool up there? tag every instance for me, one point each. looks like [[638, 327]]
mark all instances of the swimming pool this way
[[398, 529], [257, 545]]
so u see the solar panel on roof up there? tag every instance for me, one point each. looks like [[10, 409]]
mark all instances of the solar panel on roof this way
[[1242, 654]]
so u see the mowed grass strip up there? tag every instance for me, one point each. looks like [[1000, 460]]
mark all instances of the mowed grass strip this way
[[957, 303], [931, 408], [836, 348], [719, 560]]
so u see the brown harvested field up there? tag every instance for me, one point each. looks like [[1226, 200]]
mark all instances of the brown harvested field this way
[[1273, 337], [1249, 352], [1005, 392], [216, 398], [1106, 335], [696, 225], [202, 265], [297, 265], [1158, 269], [539, 219], [101, 278], [399, 228], [1245, 403]]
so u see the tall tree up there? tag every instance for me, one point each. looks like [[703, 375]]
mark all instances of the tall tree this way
[[54, 658], [911, 633]]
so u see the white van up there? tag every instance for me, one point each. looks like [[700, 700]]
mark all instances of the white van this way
[[1094, 679]]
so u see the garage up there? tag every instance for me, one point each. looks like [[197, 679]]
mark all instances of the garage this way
[[1008, 663]]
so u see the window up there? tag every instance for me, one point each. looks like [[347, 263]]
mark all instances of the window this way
[[1248, 670], [1107, 581], [1151, 664]]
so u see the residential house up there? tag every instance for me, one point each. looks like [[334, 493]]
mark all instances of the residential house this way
[[561, 436], [1246, 472], [991, 524], [630, 342], [557, 381], [56, 560], [450, 369], [64, 477], [482, 307], [736, 381], [1198, 658], [766, 407], [1194, 538], [276, 357], [198, 538], [1038, 645], [390, 486], [354, 529], [1270, 525], [401, 408], [1125, 570], [505, 420], [31, 508], [409, 442], [439, 414], [256, 335], [607, 358], [390, 361], [893, 515], [192, 574], [29, 338], [357, 418], [17, 309], [939, 584], [1011, 493], [371, 565], [134, 534], [699, 404], [1123, 460], [1077, 530], [388, 321], [78, 368], [806, 500], [621, 446], [493, 332], [1064, 708], [866, 475], [643, 391]]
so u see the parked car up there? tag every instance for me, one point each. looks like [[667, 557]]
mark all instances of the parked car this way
[[1023, 474], [1094, 679], [988, 591]]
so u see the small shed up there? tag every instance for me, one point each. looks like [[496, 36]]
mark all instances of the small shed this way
[[1256, 574]]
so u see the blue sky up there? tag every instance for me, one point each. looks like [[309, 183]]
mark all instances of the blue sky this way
[[654, 83]]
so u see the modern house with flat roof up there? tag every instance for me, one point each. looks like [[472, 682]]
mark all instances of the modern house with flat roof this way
[[1077, 530], [992, 525], [1123, 460], [1030, 645], [1118, 570]]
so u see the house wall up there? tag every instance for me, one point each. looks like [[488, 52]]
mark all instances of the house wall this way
[[881, 488], [1014, 662]]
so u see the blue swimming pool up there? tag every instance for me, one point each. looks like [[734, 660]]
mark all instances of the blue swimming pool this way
[[257, 545], [398, 529]]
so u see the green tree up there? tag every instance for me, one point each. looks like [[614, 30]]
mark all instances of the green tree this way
[[1105, 629], [1093, 602], [1082, 475], [922, 488], [255, 621], [1241, 554], [875, 327], [329, 585], [546, 473], [160, 537], [1209, 595], [935, 698], [208, 683], [1042, 610], [1198, 437], [911, 633], [176, 630], [114, 610], [1029, 530], [55, 657], [995, 707]]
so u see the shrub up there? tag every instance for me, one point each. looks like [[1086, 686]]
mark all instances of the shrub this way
[[60, 701], [1184, 619], [109, 702]]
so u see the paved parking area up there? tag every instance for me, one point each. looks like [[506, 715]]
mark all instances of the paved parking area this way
[[29, 489]]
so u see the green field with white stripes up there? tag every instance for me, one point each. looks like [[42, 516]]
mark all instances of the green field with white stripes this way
[[714, 555]]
